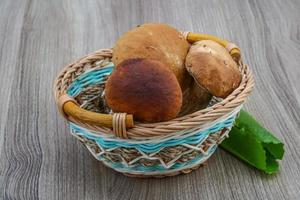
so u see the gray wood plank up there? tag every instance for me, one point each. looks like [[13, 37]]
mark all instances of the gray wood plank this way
[[10, 41], [39, 158]]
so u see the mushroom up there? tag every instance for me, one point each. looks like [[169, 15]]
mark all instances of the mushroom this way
[[145, 88], [213, 68], [155, 41]]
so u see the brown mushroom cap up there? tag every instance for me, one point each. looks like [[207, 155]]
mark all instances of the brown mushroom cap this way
[[213, 69], [144, 88], [155, 41]]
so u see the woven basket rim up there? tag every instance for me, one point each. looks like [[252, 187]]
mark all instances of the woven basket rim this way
[[161, 129]]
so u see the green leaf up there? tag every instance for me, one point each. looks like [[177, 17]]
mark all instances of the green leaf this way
[[252, 143]]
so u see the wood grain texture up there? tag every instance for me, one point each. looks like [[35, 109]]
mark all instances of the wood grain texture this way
[[41, 160]]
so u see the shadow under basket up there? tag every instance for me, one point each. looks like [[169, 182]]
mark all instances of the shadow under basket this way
[[144, 149]]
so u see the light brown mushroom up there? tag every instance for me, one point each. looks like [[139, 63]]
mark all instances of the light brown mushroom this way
[[213, 68], [155, 41]]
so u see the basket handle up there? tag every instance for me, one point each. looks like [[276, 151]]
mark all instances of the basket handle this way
[[233, 49], [69, 108]]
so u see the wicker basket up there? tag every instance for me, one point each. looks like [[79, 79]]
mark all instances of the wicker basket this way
[[144, 149]]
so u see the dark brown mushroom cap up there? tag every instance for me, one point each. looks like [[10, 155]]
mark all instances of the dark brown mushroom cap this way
[[144, 88]]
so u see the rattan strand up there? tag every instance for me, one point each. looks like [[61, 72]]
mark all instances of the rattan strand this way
[[169, 155]]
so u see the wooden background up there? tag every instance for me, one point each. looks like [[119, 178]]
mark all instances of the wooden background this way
[[41, 160]]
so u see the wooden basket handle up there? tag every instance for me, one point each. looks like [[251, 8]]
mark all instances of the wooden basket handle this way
[[70, 109]]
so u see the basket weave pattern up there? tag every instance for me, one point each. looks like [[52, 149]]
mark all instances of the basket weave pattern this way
[[157, 149]]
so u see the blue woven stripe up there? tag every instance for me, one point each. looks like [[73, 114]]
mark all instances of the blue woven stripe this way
[[151, 147], [159, 167], [89, 78]]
